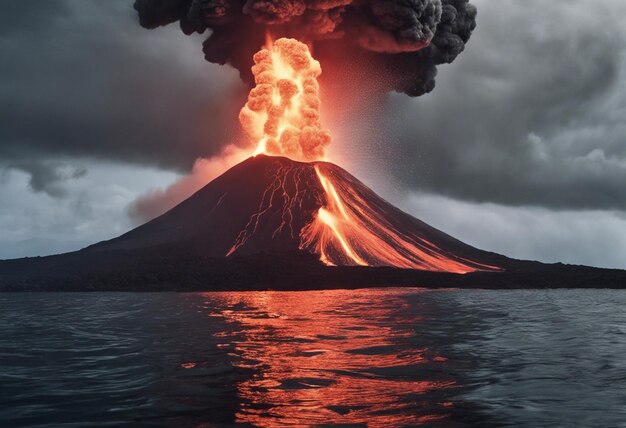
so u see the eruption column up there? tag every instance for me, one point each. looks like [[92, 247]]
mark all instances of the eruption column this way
[[282, 112]]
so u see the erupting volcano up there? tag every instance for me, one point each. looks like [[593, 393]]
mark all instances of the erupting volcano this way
[[281, 204]]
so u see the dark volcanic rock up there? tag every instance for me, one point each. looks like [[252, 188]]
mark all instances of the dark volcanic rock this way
[[210, 221], [267, 204]]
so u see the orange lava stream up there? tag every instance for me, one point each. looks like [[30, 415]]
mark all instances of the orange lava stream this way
[[282, 113], [348, 230], [335, 217]]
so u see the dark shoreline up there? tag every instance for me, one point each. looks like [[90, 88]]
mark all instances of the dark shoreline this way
[[280, 272]]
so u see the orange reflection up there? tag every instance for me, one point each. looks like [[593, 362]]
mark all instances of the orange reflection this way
[[320, 361]]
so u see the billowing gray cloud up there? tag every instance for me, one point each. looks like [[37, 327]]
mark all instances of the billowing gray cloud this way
[[49, 177], [83, 78], [533, 114], [404, 41]]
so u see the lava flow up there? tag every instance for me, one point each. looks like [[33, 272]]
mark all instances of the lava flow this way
[[356, 227]]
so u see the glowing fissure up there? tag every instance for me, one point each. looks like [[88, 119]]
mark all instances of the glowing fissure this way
[[351, 230], [276, 195], [323, 210], [282, 113]]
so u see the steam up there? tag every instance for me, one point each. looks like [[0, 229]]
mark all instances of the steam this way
[[406, 40], [158, 201]]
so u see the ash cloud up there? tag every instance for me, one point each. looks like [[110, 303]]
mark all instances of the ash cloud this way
[[406, 40]]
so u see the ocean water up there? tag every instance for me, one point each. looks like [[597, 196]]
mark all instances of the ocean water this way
[[378, 358]]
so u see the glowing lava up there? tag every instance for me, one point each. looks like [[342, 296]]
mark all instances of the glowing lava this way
[[283, 199], [335, 218], [282, 112], [320, 208], [356, 227]]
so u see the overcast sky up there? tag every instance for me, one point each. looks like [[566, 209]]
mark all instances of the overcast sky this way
[[520, 149]]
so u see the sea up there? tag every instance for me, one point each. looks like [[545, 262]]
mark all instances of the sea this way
[[399, 357]]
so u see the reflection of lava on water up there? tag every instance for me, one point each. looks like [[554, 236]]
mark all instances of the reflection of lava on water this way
[[320, 361]]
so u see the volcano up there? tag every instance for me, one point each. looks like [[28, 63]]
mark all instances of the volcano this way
[[272, 222], [274, 204]]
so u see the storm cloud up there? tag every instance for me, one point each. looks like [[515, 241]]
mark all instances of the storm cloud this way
[[49, 177], [82, 78], [533, 114]]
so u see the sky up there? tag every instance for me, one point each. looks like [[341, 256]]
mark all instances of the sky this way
[[520, 148]]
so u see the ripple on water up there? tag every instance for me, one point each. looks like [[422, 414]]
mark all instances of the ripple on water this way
[[397, 357]]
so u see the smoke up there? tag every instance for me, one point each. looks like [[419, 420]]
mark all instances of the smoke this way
[[402, 41], [366, 47], [158, 201]]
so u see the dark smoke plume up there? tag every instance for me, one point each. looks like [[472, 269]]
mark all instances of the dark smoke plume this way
[[405, 40]]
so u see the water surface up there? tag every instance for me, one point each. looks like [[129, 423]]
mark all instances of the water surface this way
[[379, 358]]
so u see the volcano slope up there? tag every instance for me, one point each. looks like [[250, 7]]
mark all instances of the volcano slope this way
[[274, 223]]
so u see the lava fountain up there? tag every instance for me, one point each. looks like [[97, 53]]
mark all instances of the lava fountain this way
[[282, 112]]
